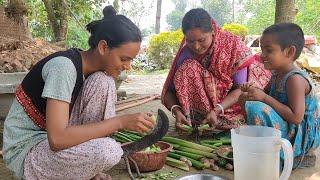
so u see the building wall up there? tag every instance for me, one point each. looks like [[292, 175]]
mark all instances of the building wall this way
[[10, 28]]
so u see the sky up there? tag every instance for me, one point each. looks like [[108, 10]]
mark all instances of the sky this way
[[148, 21], [166, 7]]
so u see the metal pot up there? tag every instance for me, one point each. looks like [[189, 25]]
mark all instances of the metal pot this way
[[202, 177]]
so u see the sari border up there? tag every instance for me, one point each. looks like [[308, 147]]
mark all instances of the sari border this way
[[31, 110]]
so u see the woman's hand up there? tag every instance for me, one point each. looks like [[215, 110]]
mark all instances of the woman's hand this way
[[211, 118], [243, 98], [139, 122], [180, 120]]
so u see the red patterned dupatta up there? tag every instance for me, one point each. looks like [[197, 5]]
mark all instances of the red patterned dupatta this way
[[34, 114], [202, 82]]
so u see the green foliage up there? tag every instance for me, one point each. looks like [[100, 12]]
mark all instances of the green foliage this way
[[308, 17], [180, 5], [77, 37], [236, 29], [163, 47], [261, 18], [116, 5], [147, 31], [2, 2], [174, 18], [135, 10], [221, 11], [38, 21], [84, 11]]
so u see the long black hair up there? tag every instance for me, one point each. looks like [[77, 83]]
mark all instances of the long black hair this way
[[197, 18], [114, 29]]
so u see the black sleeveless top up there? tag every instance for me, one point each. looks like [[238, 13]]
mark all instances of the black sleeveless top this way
[[33, 83]]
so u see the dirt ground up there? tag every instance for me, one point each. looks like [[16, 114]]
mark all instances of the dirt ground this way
[[152, 85]]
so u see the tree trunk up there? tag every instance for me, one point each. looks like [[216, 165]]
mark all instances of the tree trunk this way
[[158, 16], [58, 18], [17, 10], [285, 11], [233, 18], [116, 5]]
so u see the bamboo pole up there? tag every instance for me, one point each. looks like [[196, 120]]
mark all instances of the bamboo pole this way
[[137, 103], [133, 99]]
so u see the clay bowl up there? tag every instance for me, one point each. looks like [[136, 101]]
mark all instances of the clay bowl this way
[[151, 161]]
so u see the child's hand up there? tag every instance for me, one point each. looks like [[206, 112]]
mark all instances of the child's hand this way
[[245, 87], [255, 94], [139, 122]]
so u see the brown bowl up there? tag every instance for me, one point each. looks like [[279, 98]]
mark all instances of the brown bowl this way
[[151, 161]]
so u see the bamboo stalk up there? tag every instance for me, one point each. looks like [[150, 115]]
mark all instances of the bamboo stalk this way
[[132, 99], [137, 103]]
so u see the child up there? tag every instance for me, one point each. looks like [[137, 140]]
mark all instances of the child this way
[[290, 104]]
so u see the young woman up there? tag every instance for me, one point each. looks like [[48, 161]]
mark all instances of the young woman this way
[[64, 111]]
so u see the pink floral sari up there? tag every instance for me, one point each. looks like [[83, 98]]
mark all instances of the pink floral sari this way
[[202, 82]]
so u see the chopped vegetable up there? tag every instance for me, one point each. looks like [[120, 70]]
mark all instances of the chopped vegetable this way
[[190, 155], [229, 167], [203, 127], [222, 162], [187, 128], [196, 151], [186, 144], [209, 145], [160, 175], [230, 154], [214, 141], [152, 149], [196, 164], [177, 163], [153, 119], [214, 168]]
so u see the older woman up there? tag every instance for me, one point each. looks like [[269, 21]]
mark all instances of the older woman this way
[[207, 70]]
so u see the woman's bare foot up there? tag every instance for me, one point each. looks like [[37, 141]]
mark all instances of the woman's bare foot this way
[[102, 176]]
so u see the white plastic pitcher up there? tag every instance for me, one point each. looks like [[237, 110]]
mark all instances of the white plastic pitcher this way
[[256, 153]]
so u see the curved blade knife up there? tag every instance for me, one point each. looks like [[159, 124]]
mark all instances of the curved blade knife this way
[[158, 132]]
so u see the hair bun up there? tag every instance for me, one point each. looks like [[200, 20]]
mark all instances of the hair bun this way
[[109, 11]]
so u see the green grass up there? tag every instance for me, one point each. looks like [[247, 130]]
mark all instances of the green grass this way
[[144, 72]]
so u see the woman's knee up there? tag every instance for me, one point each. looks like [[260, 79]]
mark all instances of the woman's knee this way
[[258, 113], [255, 107], [107, 151], [99, 86], [100, 79]]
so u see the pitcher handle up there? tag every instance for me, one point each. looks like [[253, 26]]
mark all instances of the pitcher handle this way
[[288, 159]]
